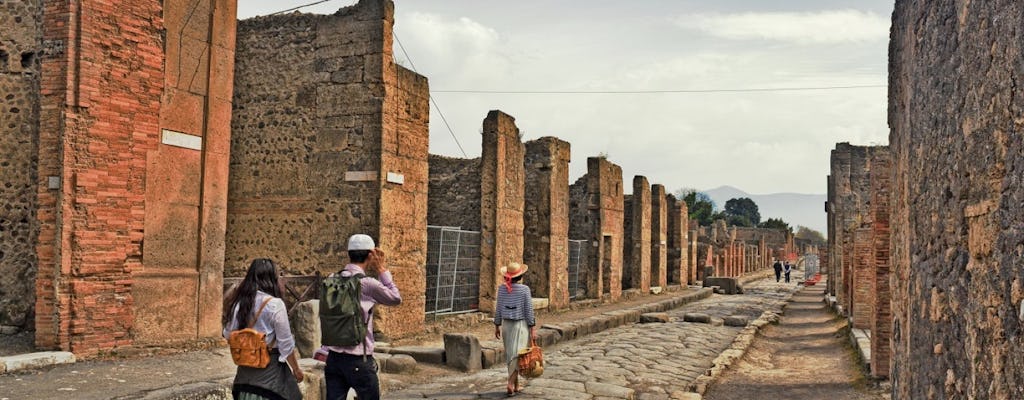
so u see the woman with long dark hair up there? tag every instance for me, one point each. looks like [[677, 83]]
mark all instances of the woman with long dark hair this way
[[257, 301]]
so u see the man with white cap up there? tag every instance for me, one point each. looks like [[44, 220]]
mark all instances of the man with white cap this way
[[353, 366]]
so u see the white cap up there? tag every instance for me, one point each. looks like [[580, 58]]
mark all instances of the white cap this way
[[360, 242]]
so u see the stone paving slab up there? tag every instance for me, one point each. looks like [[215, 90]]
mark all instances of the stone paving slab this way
[[649, 361]]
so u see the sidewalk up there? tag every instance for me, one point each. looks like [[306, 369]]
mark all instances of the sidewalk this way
[[206, 374], [804, 357]]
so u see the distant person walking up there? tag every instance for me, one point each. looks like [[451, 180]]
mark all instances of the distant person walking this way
[[353, 367], [788, 268], [257, 303], [778, 270], [514, 322]]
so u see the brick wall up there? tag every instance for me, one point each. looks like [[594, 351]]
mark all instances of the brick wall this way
[[454, 192], [881, 321], [659, 236], [636, 267], [863, 277], [20, 52], [546, 219], [330, 140], [502, 202], [958, 274], [108, 101]]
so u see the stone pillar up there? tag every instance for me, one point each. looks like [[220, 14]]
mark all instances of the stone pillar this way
[[693, 267], [636, 272], [677, 270], [136, 149], [546, 220], [881, 321], [659, 236], [501, 208], [346, 152]]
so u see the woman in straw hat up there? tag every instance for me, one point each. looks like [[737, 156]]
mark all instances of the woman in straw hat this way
[[513, 320]]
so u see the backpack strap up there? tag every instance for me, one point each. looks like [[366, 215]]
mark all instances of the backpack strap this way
[[260, 311]]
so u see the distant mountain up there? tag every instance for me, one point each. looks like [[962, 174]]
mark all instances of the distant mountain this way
[[794, 208]]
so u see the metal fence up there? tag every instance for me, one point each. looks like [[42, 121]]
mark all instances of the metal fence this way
[[811, 266], [453, 270], [576, 248]]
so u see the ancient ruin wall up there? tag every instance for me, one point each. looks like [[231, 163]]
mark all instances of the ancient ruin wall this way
[[596, 215], [881, 321], [678, 268], [502, 201], [330, 139], [20, 51], [659, 237], [454, 192], [546, 219], [955, 110], [134, 127], [636, 268]]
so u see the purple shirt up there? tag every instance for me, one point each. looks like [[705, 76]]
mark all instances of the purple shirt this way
[[374, 292]]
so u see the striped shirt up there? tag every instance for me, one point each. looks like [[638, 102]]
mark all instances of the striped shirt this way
[[517, 305]]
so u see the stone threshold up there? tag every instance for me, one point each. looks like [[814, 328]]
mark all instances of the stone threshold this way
[[21, 362], [861, 340]]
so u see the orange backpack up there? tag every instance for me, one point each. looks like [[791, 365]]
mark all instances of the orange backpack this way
[[248, 348]]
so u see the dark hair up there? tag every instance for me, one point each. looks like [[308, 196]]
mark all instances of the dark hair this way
[[518, 278], [262, 276], [358, 256]]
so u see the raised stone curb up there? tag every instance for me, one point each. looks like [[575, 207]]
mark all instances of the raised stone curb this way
[[35, 360]]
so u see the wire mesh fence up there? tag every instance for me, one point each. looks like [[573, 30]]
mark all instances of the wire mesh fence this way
[[453, 270], [576, 256]]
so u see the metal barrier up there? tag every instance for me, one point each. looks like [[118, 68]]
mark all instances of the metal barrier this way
[[453, 270], [576, 248], [811, 266]]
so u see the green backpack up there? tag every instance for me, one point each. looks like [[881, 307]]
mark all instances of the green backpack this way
[[341, 317]]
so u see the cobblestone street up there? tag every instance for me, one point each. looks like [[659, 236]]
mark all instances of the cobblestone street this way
[[643, 361]]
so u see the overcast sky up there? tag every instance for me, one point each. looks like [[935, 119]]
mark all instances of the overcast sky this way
[[760, 142]]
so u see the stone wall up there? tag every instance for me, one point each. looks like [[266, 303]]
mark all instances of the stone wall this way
[[955, 112], [636, 266], [502, 201], [330, 140], [596, 215], [546, 220], [135, 130], [678, 268], [851, 210], [659, 237], [20, 51], [454, 192]]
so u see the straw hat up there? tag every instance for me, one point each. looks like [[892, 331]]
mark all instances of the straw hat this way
[[513, 270]]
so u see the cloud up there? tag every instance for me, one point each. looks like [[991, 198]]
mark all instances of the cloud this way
[[821, 27]]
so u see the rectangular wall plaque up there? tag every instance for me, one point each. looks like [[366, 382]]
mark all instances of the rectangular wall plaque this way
[[184, 140], [361, 176], [396, 178]]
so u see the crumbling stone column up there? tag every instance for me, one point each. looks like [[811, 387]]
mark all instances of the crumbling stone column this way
[[881, 321], [546, 219], [659, 237], [133, 149], [331, 139], [501, 208], [636, 272], [678, 269], [596, 214]]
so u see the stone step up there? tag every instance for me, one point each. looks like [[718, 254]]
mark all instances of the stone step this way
[[35, 360]]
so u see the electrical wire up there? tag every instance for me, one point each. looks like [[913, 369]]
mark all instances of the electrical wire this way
[[739, 90], [300, 7], [432, 101]]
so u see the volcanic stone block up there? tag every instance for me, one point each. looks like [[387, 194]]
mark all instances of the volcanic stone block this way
[[697, 317], [462, 352], [305, 324], [654, 318], [429, 355], [735, 320], [397, 363], [727, 285]]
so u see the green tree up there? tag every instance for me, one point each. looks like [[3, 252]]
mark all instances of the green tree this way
[[775, 223], [811, 235], [742, 207], [700, 205]]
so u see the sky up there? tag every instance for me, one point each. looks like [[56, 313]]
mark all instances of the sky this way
[[760, 142]]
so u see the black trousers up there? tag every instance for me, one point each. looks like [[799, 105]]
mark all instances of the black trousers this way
[[346, 371]]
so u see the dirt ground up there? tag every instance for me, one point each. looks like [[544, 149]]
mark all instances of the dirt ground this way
[[807, 356]]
